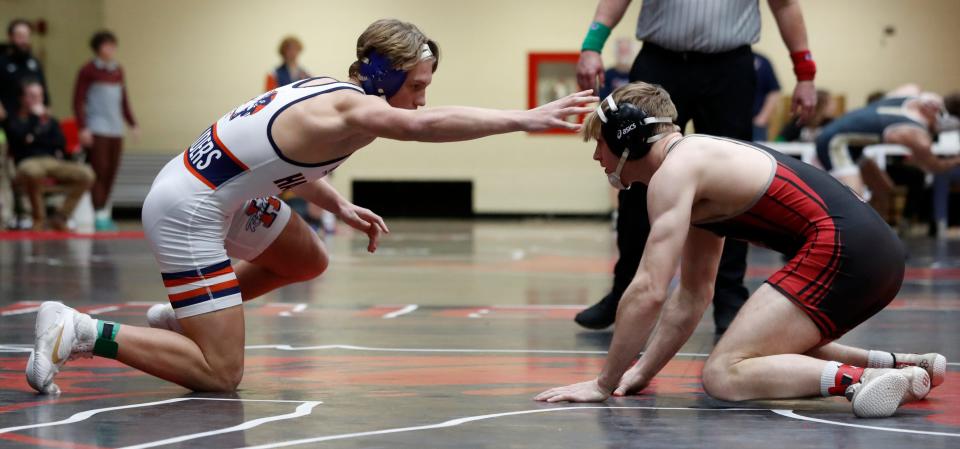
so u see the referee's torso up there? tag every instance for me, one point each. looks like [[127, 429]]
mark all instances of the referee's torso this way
[[705, 26]]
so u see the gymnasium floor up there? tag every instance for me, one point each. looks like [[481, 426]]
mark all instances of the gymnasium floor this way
[[439, 340]]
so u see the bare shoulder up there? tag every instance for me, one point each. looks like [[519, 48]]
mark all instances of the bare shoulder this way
[[349, 99], [684, 159]]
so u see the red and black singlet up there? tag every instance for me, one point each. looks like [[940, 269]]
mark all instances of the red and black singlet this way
[[846, 263]]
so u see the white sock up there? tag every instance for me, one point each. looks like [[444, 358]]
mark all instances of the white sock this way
[[879, 359], [828, 378], [102, 214], [86, 331]]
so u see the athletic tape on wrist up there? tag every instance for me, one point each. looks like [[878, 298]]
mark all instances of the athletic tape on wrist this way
[[803, 65], [596, 36], [105, 346]]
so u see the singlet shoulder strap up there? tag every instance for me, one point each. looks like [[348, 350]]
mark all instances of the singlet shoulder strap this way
[[675, 142], [333, 84]]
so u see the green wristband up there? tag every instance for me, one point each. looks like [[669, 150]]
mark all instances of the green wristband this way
[[596, 37]]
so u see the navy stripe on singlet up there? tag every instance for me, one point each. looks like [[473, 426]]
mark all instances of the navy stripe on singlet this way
[[205, 296], [298, 84], [273, 143], [197, 271]]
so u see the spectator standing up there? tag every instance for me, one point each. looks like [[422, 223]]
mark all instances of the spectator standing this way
[[289, 71], [619, 74], [101, 106], [17, 64], [766, 97]]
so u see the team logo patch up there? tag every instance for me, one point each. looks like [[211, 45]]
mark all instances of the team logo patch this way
[[262, 211], [254, 106]]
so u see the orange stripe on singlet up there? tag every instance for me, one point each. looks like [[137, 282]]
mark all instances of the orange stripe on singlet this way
[[216, 138], [193, 171], [191, 279], [199, 291]]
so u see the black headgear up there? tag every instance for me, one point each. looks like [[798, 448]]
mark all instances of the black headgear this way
[[628, 132], [625, 126]]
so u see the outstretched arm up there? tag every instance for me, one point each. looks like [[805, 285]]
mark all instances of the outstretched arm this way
[[456, 123], [670, 199]]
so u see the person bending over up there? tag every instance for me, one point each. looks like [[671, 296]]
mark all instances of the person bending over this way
[[845, 265]]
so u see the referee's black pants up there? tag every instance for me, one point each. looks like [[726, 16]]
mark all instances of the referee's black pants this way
[[716, 92]]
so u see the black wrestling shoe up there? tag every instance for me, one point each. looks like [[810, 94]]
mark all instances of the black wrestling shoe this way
[[600, 315]]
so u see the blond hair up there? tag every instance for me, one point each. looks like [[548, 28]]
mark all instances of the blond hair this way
[[651, 98], [401, 42]]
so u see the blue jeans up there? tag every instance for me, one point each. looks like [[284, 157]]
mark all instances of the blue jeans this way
[[941, 193], [759, 133]]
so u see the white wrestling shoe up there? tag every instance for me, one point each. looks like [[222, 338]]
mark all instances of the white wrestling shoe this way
[[161, 316], [935, 364], [882, 390], [62, 334]]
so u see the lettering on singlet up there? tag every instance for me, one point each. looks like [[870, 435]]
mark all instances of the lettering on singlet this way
[[290, 181], [210, 161]]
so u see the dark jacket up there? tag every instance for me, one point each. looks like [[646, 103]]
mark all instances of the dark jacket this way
[[15, 67], [34, 136]]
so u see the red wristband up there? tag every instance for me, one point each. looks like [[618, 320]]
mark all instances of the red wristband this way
[[803, 65]]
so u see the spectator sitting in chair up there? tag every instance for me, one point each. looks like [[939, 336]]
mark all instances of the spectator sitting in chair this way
[[37, 145]]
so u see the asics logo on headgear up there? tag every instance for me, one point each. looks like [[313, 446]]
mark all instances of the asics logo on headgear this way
[[624, 131]]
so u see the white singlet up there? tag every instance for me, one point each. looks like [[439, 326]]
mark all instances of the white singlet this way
[[215, 200]]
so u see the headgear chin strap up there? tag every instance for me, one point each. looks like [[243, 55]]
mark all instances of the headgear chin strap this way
[[628, 132], [379, 77], [614, 178]]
